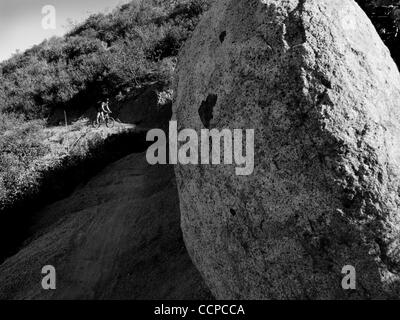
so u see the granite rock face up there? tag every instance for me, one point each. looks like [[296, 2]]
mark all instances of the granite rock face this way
[[315, 81]]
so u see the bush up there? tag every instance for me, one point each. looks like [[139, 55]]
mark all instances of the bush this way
[[134, 45], [20, 145], [99, 57]]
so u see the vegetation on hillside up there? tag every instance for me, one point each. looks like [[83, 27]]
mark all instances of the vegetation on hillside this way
[[20, 144], [134, 45]]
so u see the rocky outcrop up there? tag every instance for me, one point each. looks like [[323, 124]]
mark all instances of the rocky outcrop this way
[[314, 80]]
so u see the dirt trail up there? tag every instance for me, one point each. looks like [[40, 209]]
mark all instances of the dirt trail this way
[[116, 237]]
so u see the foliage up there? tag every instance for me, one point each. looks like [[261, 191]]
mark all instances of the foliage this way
[[20, 145], [135, 44], [98, 57]]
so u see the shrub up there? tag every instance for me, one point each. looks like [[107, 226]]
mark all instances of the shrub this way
[[98, 57], [20, 145]]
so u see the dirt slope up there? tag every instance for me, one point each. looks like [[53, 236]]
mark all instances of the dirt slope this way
[[116, 237]]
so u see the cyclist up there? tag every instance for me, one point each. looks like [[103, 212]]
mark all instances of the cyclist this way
[[103, 110]]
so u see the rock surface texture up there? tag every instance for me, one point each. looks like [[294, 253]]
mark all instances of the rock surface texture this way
[[315, 81]]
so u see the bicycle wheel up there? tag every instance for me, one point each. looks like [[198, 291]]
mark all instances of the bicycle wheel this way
[[96, 124], [110, 122]]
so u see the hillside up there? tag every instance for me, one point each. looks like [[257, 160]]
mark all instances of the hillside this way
[[106, 54], [123, 56]]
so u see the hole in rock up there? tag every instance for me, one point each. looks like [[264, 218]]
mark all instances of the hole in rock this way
[[206, 110], [222, 36]]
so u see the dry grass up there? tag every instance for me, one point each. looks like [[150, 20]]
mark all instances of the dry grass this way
[[28, 154]]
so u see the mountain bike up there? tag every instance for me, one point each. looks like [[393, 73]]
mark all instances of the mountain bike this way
[[108, 121]]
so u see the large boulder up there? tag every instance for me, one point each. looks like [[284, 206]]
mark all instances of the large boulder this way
[[315, 81]]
